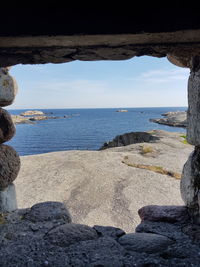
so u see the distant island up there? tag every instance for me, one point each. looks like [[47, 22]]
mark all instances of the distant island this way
[[31, 116], [17, 119], [122, 110], [176, 119], [32, 113]]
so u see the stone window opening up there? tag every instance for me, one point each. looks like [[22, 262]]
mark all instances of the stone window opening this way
[[157, 231], [5, 71]]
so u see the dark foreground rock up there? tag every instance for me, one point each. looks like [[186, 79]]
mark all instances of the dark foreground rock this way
[[170, 214], [130, 138], [45, 236], [145, 242], [176, 119]]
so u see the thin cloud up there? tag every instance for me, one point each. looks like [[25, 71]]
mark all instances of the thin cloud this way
[[164, 76], [64, 87], [88, 86], [161, 76]]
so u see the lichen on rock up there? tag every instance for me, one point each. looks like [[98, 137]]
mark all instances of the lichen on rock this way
[[9, 165], [8, 88], [190, 184], [7, 127]]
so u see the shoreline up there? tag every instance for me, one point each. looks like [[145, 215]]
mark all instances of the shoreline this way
[[173, 118], [100, 127], [108, 148], [24, 109]]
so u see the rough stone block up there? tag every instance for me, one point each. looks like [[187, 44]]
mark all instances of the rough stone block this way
[[7, 127], [170, 230], [178, 61], [68, 234], [8, 201], [48, 211], [145, 242], [9, 165], [170, 214], [190, 184], [8, 88], [109, 231], [101, 252], [193, 114]]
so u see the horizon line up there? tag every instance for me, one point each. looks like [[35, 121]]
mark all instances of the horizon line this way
[[100, 107]]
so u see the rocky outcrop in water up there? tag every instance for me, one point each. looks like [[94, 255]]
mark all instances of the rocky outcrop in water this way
[[32, 116], [32, 113], [18, 119], [122, 110], [176, 119]]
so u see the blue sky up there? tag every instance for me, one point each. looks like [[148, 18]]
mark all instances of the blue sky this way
[[138, 82]]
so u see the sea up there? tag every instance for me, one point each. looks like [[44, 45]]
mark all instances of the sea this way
[[84, 129]]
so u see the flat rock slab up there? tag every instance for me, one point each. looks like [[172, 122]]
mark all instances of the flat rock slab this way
[[81, 179], [145, 242], [164, 213]]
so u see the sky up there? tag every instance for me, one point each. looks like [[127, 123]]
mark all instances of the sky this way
[[137, 82]]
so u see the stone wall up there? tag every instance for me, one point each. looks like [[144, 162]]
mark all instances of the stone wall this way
[[9, 159], [32, 35], [59, 49], [24, 39], [190, 182], [45, 235]]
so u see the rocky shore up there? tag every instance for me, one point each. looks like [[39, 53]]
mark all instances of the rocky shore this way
[[81, 179], [176, 119]]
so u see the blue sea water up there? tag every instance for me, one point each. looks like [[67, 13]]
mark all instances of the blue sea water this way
[[88, 130]]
